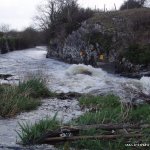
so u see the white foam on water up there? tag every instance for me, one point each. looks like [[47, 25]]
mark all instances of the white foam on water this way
[[64, 77], [83, 69], [145, 82], [84, 79]]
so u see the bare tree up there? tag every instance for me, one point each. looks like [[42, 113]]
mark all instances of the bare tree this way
[[4, 28], [142, 2], [48, 13]]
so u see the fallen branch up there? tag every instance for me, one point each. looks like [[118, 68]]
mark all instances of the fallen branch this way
[[98, 137], [109, 126], [54, 136]]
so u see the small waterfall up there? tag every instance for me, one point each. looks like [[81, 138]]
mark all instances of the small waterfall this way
[[87, 79], [86, 70]]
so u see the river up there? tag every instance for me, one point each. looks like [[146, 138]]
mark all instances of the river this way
[[61, 77]]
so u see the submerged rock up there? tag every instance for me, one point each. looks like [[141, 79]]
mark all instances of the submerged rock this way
[[70, 95], [5, 76]]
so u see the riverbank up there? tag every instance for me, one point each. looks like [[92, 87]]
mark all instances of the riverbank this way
[[63, 78], [107, 118]]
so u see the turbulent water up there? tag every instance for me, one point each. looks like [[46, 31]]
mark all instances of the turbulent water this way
[[62, 77]]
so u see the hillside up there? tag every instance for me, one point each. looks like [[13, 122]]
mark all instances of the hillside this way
[[122, 37], [135, 22]]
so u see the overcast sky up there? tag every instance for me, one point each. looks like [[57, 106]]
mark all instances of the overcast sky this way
[[19, 13]]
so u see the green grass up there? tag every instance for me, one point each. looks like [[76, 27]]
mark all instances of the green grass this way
[[100, 101], [24, 97], [31, 134], [36, 87], [140, 114], [109, 110], [98, 145]]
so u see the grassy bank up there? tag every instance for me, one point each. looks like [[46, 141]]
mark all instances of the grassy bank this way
[[24, 97], [108, 110], [102, 110], [31, 134]]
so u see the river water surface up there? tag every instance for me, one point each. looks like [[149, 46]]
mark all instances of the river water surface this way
[[61, 77]]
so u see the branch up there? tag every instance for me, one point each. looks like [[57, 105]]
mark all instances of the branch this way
[[110, 126], [98, 137]]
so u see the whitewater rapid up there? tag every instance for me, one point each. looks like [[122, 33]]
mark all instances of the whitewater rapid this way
[[61, 77], [64, 77]]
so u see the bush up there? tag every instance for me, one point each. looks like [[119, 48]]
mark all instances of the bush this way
[[138, 54]]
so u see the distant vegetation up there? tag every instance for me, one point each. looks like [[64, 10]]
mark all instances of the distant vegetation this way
[[17, 40], [130, 4]]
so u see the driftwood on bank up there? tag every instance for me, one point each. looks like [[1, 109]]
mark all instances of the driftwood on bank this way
[[71, 133], [97, 137], [111, 126]]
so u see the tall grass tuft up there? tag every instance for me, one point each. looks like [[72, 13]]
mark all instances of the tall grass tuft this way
[[31, 134], [24, 97], [36, 87]]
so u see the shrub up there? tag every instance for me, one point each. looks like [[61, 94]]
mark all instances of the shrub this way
[[138, 54]]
